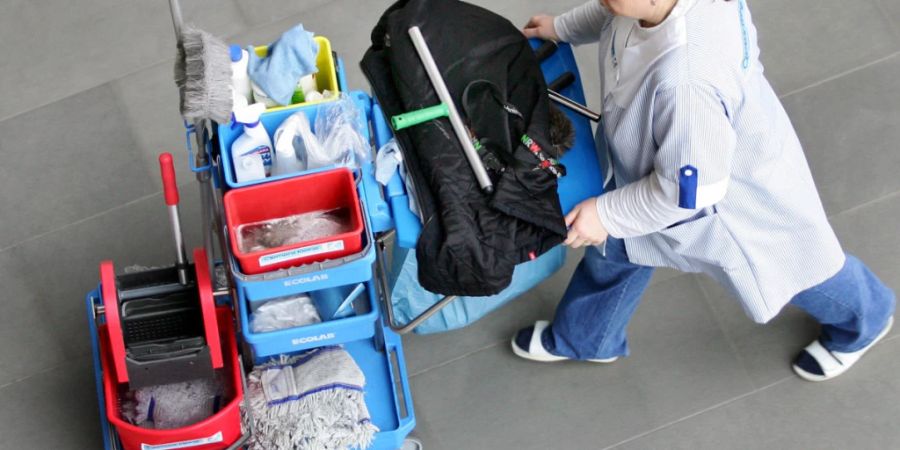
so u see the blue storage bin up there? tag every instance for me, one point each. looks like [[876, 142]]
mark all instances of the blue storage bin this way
[[360, 325], [379, 212], [387, 391], [351, 269], [271, 121]]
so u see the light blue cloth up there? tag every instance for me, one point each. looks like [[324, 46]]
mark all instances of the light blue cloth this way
[[290, 58]]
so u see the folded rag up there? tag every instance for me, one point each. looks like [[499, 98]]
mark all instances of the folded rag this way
[[310, 401], [290, 58]]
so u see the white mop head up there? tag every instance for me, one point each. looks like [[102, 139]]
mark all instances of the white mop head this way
[[203, 76], [312, 401]]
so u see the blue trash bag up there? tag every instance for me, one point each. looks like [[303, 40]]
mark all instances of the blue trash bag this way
[[410, 299]]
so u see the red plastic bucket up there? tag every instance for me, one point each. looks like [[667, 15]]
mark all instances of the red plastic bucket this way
[[215, 433], [321, 191]]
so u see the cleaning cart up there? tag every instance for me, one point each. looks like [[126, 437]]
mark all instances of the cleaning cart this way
[[164, 325]]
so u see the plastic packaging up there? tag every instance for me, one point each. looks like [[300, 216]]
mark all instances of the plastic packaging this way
[[387, 161], [292, 138], [254, 141], [289, 312], [177, 405], [294, 229], [338, 128], [240, 80]]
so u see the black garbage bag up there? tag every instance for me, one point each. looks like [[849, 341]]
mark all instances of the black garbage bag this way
[[471, 240]]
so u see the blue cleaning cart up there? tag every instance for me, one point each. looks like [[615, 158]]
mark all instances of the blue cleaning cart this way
[[377, 350], [370, 333]]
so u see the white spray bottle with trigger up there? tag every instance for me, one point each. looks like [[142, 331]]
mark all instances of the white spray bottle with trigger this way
[[253, 143]]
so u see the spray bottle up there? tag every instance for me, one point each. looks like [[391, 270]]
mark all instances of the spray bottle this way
[[254, 141], [240, 79]]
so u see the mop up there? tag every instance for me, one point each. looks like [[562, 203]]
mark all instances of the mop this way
[[313, 401], [203, 76]]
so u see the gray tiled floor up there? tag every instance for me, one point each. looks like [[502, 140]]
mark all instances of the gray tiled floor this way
[[88, 103]]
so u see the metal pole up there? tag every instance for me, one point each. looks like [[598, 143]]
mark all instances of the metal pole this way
[[573, 105], [443, 94]]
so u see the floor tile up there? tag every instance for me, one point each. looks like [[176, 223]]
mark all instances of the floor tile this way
[[680, 363], [857, 410], [55, 409], [263, 12], [30, 341], [85, 44], [72, 159], [426, 351], [806, 41], [149, 101], [765, 350], [891, 10], [349, 34], [849, 132], [58, 269]]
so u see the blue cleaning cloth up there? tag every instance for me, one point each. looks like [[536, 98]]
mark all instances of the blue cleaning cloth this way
[[290, 57]]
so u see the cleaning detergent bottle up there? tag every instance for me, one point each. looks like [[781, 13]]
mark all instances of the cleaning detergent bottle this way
[[240, 79], [254, 141], [288, 141]]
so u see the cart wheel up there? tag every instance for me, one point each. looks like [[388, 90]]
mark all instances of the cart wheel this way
[[412, 443]]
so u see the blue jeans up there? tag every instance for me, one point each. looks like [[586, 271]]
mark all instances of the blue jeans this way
[[853, 306]]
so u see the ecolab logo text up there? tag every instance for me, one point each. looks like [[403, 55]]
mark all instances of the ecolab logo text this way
[[321, 337], [304, 280]]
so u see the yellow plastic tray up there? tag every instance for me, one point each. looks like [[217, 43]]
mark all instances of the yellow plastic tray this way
[[326, 78]]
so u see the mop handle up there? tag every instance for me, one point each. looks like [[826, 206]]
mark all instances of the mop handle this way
[[177, 21], [170, 191], [455, 120]]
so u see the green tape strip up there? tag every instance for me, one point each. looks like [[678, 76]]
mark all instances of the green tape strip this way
[[412, 118]]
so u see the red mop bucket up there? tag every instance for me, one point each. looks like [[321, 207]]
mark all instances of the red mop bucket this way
[[215, 433], [321, 191]]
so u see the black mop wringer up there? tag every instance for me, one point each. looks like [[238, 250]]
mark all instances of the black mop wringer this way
[[162, 325]]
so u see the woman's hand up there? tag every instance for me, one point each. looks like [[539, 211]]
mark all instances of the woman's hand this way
[[585, 227], [541, 26]]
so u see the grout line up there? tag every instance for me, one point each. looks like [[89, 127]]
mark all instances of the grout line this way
[[88, 218], [840, 75], [452, 360], [169, 60], [864, 205], [26, 377], [732, 344], [702, 411]]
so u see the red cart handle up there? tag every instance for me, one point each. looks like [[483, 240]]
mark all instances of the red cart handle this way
[[110, 296], [208, 308], [170, 187]]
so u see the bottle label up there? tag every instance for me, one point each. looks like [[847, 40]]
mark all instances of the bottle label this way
[[287, 255], [262, 150]]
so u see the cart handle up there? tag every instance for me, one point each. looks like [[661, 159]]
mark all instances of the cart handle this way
[[386, 291]]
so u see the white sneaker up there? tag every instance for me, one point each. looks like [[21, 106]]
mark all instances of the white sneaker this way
[[527, 344], [817, 363]]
